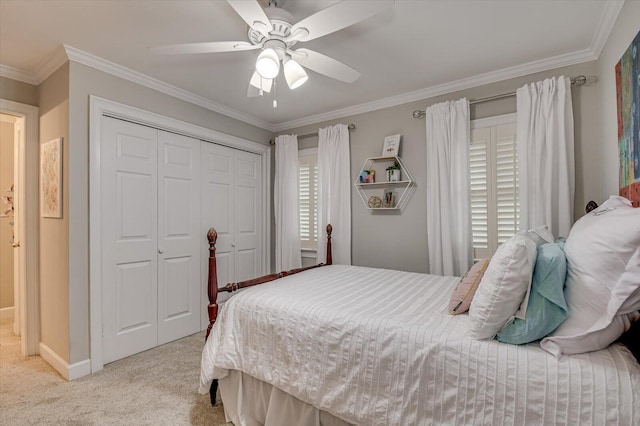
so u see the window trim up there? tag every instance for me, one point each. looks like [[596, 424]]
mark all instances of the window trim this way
[[497, 120], [307, 152]]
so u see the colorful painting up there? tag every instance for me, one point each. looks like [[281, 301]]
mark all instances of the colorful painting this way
[[628, 99], [51, 178]]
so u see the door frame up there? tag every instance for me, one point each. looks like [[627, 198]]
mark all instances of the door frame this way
[[27, 194], [100, 107]]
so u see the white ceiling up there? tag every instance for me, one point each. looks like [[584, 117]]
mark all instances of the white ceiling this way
[[409, 51]]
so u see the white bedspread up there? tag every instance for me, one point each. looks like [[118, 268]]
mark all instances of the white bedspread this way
[[377, 347]]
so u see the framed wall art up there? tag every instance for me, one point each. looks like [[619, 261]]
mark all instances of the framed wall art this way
[[628, 101], [51, 178], [391, 146]]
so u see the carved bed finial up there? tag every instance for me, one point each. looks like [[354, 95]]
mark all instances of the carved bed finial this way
[[212, 236], [591, 205]]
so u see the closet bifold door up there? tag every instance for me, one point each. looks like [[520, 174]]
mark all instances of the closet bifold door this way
[[232, 203], [248, 241], [179, 250], [218, 199], [128, 155]]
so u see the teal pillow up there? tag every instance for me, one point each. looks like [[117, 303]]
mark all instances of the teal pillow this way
[[547, 308]]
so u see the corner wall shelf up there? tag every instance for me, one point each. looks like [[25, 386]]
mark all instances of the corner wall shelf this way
[[373, 193]]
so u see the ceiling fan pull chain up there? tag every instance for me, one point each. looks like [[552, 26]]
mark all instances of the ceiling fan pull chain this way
[[275, 101]]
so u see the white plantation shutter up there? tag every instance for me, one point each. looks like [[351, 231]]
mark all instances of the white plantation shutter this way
[[494, 185], [478, 160], [508, 207], [308, 178]]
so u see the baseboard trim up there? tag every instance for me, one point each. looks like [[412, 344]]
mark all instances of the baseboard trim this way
[[68, 372], [6, 313]]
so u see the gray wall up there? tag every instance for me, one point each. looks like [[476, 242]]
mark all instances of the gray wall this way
[[54, 233], [399, 240], [18, 91], [86, 81], [626, 28]]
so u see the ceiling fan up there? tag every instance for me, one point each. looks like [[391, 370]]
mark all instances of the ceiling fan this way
[[273, 30]]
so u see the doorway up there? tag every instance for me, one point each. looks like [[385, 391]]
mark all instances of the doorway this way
[[9, 125], [23, 191]]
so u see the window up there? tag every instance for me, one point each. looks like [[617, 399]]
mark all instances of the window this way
[[495, 208], [308, 197]]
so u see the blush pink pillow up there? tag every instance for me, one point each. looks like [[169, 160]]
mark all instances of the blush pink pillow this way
[[466, 288]]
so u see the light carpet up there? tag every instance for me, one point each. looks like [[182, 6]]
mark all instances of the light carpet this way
[[156, 387]]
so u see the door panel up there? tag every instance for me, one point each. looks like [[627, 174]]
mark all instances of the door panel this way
[[135, 282], [246, 260], [249, 232], [217, 212], [129, 238], [177, 301], [179, 250]]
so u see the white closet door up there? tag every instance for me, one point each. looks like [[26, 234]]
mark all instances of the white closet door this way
[[218, 212], [248, 212], [128, 154], [232, 204], [179, 248]]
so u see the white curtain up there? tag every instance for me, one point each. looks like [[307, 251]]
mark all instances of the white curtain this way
[[448, 197], [545, 155], [334, 193], [286, 204]]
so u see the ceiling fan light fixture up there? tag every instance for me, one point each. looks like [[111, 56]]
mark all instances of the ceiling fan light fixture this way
[[294, 74], [261, 83], [268, 64]]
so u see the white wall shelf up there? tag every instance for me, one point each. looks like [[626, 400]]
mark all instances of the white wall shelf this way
[[372, 193]]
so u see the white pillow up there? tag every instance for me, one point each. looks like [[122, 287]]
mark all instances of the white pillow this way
[[506, 284], [603, 279]]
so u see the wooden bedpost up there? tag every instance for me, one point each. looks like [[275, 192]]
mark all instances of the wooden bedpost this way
[[329, 230], [212, 285]]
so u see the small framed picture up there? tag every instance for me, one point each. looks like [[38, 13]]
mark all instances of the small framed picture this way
[[391, 146], [389, 198], [367, 176], [51, 178]]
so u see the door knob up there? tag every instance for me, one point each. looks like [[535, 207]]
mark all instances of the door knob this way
[[15, 245], [233, 245], [160, 251]]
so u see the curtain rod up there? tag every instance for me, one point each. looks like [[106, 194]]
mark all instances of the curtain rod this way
[[351, 128], [575, 81]]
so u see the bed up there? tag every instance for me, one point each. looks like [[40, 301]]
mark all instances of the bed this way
[[336, 344]]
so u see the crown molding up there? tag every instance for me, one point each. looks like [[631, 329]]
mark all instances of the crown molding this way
[[112, 68], [49, 66], [607, 21], [605, 26], [19, 75], [443, 89]]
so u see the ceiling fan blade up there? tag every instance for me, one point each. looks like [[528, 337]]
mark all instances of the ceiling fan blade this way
[[324, 65], [336, 17], [204, 47], [253, 14]]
